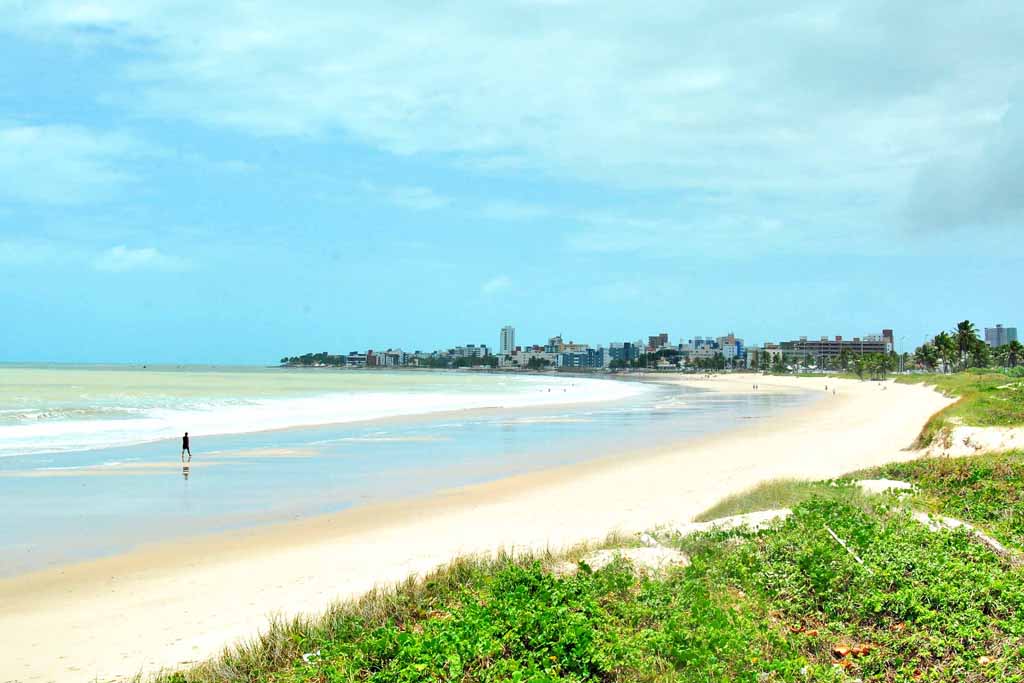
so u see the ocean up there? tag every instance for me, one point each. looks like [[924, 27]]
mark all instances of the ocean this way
[[90, 455]]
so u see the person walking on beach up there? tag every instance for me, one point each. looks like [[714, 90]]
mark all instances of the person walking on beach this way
[[185, 448]]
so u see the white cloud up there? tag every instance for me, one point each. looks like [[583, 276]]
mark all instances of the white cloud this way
[[817, 100], [413, 197], [733, 234], [121, 258], [52, 253], [58, 164], [514, 211], [418, 198], [602, 233], [496, 284]]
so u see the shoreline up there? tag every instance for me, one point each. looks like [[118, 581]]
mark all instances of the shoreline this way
[[175, 603], [405, 417], [386, 508]]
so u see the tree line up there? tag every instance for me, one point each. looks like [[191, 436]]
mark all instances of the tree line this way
[[961, 348], [873, 365], [311, 359], [440, 362]]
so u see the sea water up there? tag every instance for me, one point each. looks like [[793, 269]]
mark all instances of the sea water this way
[[90, 456], [54, 409]]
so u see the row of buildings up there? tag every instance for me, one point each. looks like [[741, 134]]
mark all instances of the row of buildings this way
[[656, 352]]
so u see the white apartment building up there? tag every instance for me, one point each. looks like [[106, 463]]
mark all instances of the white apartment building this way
[[508, 339]]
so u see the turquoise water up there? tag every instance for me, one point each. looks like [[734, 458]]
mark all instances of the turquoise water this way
[[81, 500], [55, 409]]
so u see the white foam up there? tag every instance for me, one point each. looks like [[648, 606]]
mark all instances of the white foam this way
[[243, 415]]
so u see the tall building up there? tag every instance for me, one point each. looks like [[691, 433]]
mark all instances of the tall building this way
[[657, 341], [1000, 336], [732, 346], [508, 339], [624, 351]]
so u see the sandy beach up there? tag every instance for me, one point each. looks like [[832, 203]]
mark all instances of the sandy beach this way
[[166, 605]]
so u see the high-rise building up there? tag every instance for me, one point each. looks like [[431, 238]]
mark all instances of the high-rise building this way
[[508, 339], [731, 341], [1000, 336], [657, 341], [624, 351]]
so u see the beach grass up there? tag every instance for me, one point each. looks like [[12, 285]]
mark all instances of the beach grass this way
[[894, 601], [986, 399], [782, 493]]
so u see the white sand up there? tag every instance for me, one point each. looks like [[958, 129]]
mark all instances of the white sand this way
[[182, 602], [961, 441]]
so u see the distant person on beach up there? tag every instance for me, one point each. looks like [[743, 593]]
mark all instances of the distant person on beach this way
[[185, 448]]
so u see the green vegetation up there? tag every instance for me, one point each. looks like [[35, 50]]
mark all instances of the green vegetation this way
[[716, 362], [783, 493], [986, 399], [314, 359], [873, 365], [961, 349], [987, 490], [988, 395], [536, 363], [899, 603], [846, 364], [923, 606], [521, 623], [475, 362], [438, 362]]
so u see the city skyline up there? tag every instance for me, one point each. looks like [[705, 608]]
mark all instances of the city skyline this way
[[699, 351], [559, 353]]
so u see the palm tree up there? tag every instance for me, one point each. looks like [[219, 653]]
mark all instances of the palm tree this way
[[981, 355], [1014, 351], [966, 335], [927, 356], [946, 347]]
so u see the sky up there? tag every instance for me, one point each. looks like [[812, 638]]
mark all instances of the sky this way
[[231, 182]]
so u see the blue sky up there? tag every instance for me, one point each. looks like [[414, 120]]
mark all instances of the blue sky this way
[[235, 181]]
